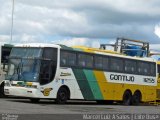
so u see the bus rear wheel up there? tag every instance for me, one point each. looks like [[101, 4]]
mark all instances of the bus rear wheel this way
[[136, 98], [127, 97], [62, 96], [34, 100]]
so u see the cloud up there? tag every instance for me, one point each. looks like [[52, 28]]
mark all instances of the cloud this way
[[157, 30], [88, 20], [79, 42], [4, 39]]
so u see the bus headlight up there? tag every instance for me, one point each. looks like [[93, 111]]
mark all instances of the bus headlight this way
[[6, 91], [34, 86], [31, 86], [7, 83]]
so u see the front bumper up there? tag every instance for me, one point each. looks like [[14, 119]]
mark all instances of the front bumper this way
[[21, 92]]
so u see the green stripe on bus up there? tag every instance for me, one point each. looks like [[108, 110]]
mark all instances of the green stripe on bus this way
[[93, 84], [66, 47], [83, 84], [78, 49]]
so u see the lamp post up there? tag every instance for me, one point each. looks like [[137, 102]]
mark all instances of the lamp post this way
[[12, 21]]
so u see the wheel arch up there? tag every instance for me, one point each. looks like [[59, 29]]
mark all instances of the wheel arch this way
[[127, 90], [67, 88], [138, 91], [126, 97], [2, 84], [2, 89]]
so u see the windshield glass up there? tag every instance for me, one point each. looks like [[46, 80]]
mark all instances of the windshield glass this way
[[23, 69], [26, 52], [24, 64]]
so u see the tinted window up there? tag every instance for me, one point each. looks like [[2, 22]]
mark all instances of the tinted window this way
[[157, 68], [98, 62], [71, 59], [153, 69], [130, 66], [140, 67], [68, 58], [116, 64], [85, 60], [63, 58], [146, 69], [143, 68], [50, 53], [27, 52], [5, 54], [105, 63], [48, 65]]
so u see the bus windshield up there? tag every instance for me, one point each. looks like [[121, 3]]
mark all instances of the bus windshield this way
[[24, 64], [26, 52]]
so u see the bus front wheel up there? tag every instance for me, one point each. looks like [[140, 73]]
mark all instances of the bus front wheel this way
[[62, 96], [127, 97]]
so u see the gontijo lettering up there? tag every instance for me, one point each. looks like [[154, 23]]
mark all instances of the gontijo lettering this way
[[122, 77]]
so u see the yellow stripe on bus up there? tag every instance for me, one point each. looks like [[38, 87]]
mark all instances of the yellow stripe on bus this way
[[102, 82], [108, 89]]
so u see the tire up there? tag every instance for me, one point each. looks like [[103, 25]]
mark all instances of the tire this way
[[2, 90], [136, 98], [127, 97], [34, 100], [62, 96]]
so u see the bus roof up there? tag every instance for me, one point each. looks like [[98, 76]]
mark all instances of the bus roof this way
[[86, 49], [41, 45], [111, 53]]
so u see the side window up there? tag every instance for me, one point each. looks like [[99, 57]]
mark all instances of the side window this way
[[130, 66], [85, 60], [143, 68], [98, 62], [105, 63], [48, 65], [50, 53], [89, 61], [4, 56], [71, 59], [81, 60], [63, 58], [67, 58], [146, 69], [153, 69], [116, 64], [140, 67]]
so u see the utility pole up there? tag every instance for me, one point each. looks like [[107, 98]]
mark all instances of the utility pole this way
[[12, 21]]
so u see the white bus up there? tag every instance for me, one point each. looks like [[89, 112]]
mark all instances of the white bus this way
[[48, 71], [4, 53]]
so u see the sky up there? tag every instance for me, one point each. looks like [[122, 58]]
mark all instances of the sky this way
[[80, 22]]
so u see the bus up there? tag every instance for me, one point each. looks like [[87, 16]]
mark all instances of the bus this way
[[4, 53], [49, 71], [158, 82]]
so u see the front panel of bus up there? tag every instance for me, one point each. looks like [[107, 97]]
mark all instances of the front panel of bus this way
[[31, 71]]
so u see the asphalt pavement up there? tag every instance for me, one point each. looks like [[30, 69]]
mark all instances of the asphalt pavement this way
[[23, 109]]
